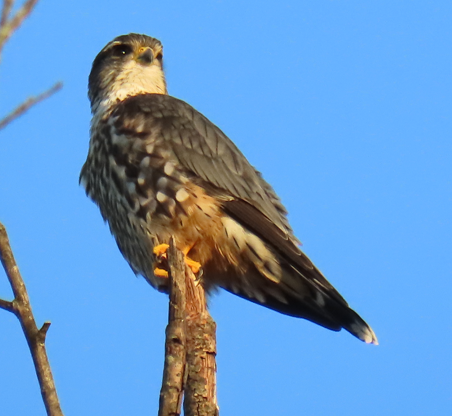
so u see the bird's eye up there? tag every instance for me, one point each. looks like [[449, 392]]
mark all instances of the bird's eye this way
[[121, 50], [159, 56]]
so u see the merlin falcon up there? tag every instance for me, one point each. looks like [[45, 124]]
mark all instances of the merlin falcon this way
[[158, 168]]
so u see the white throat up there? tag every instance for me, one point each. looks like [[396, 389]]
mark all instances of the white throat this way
[[134, 79]]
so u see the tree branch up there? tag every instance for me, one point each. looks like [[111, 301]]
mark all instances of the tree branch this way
[[27, 104], [6, 305], [201, 387], [175, 346], [190, 350], [6, 10], [21, 307], [9, 26]]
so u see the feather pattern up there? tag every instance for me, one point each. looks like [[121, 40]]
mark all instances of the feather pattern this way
[[210, 160], [158, 168]]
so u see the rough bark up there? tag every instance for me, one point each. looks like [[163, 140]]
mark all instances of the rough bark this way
[[190, 349], [200, 391], [175, 345]]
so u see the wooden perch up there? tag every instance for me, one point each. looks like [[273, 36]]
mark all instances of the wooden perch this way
[[200, 390], [190, 349], [21, 307], [175, 345]]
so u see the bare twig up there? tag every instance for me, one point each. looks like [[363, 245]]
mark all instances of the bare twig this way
[[6, 305], [30, 102], [9, 26], [175, 346], [21, 307], [6, 10]]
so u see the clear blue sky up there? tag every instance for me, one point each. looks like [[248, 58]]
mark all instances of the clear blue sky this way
[[345, 106]]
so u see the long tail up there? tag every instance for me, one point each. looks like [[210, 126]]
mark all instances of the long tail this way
[[288, 282], [308, 298], [273, 272]]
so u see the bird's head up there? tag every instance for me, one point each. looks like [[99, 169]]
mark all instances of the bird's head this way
[[129, 65]]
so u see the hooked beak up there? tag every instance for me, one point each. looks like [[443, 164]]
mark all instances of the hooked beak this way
[[145, 56]]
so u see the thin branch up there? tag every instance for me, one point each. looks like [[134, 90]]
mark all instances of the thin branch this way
[[30, 102], [20, 306], [175, 346], [6, 305], [6, 10], [45, 327], [9, 26], [35, 337]]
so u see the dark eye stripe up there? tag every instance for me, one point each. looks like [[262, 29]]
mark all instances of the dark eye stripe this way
[[121, 50]]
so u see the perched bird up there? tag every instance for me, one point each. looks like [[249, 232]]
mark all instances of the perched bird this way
[[158, 168]]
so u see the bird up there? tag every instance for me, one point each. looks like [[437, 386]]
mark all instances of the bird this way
[[157, 168]]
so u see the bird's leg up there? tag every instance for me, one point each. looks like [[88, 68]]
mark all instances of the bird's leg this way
[[162, 260]]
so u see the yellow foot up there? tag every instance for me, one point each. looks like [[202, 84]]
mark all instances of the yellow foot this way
[[161, 255], [194, 265], [161, 250], [160, 265], [160, 273]]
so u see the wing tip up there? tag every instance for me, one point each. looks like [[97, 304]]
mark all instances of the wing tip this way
[[364, 332]]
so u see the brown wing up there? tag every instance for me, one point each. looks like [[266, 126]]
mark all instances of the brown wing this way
[[215, 164]]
